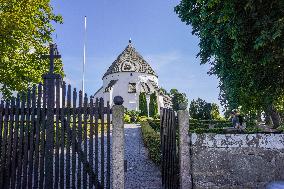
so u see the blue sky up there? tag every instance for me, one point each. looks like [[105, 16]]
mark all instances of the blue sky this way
[[157, 34]]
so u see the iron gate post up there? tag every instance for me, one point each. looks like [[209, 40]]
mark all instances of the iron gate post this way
[[184, 151], [118, 144]]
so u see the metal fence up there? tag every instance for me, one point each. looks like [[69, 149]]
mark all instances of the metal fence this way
[[52, 139]]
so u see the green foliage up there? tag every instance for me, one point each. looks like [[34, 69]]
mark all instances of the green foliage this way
[[251, 130], [127, 118], [143, 104], [281, 128], [25, 33], [142, 118], [219, 127], [164, 91], [204, 130], [200, 109], [177, 98], [215, 114], [152, 141], [155, 124], [243, 41], [153, 105], [194, 123], [133, 115]]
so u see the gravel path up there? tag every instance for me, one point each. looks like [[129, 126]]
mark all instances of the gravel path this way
[[141, 173]]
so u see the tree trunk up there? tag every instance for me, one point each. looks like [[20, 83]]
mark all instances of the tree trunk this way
[[275, 117]]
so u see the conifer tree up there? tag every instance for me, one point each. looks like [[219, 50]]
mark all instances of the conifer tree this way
[[143, 104], [153, 105]]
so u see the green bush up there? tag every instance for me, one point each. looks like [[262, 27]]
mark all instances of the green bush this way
[[203, 130], [142, 118], [253, 130], [152, 141], [194, 123], [155, 124], [281, 128], [156, 116], [127, 118], [133, 115]]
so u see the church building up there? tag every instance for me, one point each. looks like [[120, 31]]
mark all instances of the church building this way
[[128, 76]]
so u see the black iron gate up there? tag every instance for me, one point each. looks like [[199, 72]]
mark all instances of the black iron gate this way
[[169, 150], [51, 139]]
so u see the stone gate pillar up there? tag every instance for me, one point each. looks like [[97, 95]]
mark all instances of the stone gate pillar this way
[[184, 151], [118, 144]]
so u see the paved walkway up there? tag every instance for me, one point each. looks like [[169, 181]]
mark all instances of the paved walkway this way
[[141, 173]]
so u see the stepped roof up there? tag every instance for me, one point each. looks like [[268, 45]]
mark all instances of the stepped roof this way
[[130, 61]]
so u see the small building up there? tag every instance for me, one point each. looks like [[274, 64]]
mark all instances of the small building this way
[[128, 76]]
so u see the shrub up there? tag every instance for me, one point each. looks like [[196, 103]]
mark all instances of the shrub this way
[[253, 130], [155, 124], [194, 123], [126, 118], [203, 130], [156, 116], [281, 128], [152, 141], [133, 115], [142, 118]]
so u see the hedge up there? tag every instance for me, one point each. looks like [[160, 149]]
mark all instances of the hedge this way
[[155, 124], [152, 141], [194, 124]]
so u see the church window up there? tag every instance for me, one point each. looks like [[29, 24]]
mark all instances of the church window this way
[[132, 88]]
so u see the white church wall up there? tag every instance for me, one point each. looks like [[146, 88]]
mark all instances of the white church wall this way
[[160, 103], [99, 94], [120, 88]]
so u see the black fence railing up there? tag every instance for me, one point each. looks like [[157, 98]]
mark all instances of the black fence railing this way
[[51, 139]]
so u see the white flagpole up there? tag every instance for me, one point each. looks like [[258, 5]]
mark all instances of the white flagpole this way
[[84, 57]]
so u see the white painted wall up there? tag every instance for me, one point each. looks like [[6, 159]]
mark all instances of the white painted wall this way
[[131, 100]]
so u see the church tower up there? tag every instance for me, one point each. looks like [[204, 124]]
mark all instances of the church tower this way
[[128, 76]]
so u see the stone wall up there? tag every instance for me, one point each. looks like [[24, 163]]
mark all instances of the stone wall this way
[[236, 160]]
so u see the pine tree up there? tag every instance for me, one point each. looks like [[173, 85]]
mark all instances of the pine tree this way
[[143, 104], [153, 105]]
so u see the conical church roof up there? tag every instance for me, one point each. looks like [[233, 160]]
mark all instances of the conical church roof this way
[[130, 61]]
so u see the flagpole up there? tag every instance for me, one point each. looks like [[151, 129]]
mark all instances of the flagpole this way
[[84, 57]]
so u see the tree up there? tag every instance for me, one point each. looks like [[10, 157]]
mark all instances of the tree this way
[[25, 33], [143, 104], [243, 41], [153, 105], [200, 109], [164, 91], [177, 98], [214, 111]]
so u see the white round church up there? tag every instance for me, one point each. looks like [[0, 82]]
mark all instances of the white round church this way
[[129, 75]]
